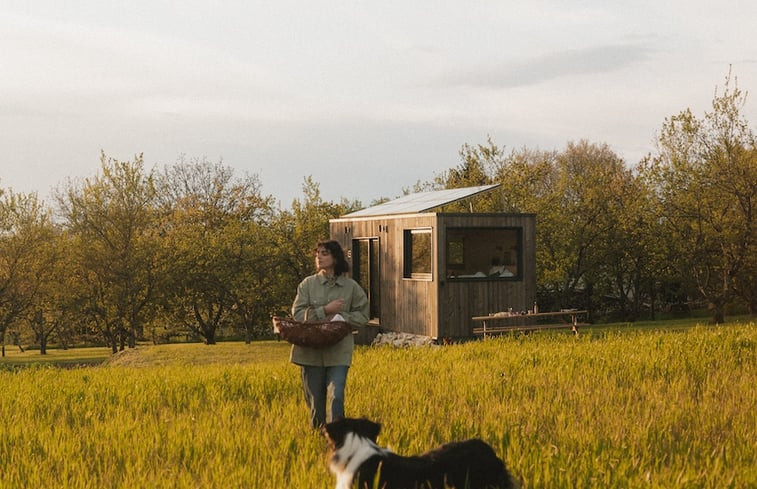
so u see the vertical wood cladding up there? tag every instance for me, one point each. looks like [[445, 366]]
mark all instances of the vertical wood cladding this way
[[440, 307]]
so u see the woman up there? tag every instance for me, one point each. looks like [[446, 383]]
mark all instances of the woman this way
[[320, 297]]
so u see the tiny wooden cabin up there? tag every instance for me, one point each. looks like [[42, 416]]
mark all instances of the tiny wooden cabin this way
[[428, 273]]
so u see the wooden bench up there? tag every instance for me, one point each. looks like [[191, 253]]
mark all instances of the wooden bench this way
[[527, 322]]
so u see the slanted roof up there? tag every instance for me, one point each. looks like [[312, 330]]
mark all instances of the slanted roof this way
[[422, 201]]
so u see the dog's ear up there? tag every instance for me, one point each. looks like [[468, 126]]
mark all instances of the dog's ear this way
[[337, 430], [370, 429], [334, 432]]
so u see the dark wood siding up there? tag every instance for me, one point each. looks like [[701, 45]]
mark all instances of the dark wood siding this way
[[416, 300], [439, 307], [407, 305], [460, 300]]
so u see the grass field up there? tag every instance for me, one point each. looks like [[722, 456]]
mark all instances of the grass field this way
[[644, 407]]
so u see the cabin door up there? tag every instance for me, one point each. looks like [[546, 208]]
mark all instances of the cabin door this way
[[365, 271]]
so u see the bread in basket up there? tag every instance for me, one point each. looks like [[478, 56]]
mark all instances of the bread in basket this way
[[312, 334]]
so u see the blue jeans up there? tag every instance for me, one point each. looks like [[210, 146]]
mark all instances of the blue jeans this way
[[324, 392]]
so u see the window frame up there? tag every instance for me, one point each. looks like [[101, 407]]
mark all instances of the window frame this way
[[408, 260], [460, 263], [370, 245]]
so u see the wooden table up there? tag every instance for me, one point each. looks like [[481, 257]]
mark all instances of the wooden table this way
[[527, 322]]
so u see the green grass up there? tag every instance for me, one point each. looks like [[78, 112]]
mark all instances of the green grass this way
[[150, 355], [72, 357], [235, 353], [669, 324], [612, 409]]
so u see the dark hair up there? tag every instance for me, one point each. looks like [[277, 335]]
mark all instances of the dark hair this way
[[335, 249]]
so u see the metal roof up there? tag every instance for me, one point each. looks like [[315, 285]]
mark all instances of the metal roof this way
[[421, 202]]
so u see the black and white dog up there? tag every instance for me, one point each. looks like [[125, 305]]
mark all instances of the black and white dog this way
[[355, 457]]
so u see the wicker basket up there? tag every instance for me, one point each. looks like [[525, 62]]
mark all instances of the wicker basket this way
[[312, 334]]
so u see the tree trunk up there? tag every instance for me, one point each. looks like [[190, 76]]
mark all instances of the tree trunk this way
[[718, 313], [209, 333], [652, 299], [17, 342]]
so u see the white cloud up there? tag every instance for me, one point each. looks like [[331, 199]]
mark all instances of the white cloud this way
[[584, 62], [367, 97], [94, 69]]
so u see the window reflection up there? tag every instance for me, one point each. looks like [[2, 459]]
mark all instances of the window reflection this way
[[483, 253], [418, 253]]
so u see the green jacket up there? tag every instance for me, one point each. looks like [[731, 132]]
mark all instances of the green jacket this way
[[313, 293]]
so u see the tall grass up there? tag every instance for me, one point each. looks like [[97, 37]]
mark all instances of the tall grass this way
[[637, 409]]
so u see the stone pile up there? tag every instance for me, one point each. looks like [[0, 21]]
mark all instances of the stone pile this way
[[399, 340]]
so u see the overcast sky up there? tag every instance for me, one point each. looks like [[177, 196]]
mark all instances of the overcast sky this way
[[366, 97]]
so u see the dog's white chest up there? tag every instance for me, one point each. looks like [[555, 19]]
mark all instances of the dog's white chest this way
[[344, 481]]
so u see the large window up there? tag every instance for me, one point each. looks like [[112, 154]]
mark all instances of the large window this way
[[417, 256], [484, 253]]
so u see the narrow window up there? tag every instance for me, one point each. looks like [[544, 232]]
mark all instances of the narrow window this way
[[365, 270]]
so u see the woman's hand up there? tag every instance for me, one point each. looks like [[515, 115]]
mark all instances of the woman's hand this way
[[333, 307]]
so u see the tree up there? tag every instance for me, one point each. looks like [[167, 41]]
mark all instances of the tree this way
[[705, 177], [215, 241], [251, 290], [479, 166], [629, 263], [56, 307], [589, 218], [299, 229], [577, 205], [112, 219], [25, 228]]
